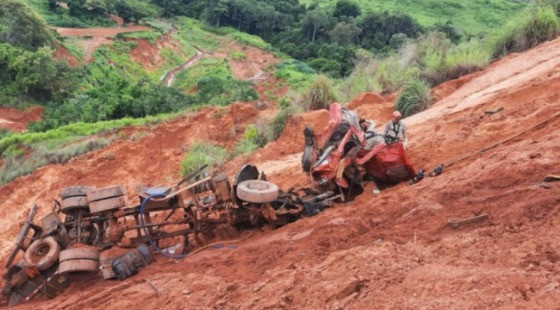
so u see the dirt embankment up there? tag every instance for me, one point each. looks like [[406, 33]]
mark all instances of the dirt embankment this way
[[93, 38], [16, 119], [392, 250]]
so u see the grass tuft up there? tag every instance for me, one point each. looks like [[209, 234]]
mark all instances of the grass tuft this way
[[320, 95], [203, 153], [414, 98]]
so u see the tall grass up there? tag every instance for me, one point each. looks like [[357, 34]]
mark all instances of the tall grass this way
[[414, 98], [278, 124], [203, 153], [41, 155], [319, 95], [61, 135], [433, 59], [526, 31]]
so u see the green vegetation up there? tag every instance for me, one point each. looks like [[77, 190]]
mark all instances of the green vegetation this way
[[435, 59], [320, 95], [203, 153], [473, 16], [414, 98], [254, 137], [214, 83], [240, 37], [14, 143], [60, 145], [538, 25], [151, 36], [191, 30], [60, 16], [32, 75], [238, 55], [298, 74], [278, 124], [22, 27], [20, 165]]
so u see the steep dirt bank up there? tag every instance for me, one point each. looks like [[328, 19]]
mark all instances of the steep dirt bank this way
[[95, 37], [393, 250], [16, 119]]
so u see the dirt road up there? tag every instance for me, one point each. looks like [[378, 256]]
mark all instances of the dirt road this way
[[393, 250], [170, 77]]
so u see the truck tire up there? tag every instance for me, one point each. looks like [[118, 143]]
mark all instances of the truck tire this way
[[74, 191], [78, 266], [307, 159], [257, 191], [71, 204], [79, 253], [108, 204], [104, 193], [42, 253]]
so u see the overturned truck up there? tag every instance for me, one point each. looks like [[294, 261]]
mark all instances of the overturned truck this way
[[345, 154], [87, 223]]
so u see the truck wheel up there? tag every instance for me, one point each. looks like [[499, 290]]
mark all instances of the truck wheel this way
[[42, 253], [257, 191], [107, 204], [105, 193], [77, 260], [74, 191], [307, 159], [79, 253], [78, 266], [71, 204]]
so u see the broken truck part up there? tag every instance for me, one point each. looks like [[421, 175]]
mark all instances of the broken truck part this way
[[344, 154], [75, 237]]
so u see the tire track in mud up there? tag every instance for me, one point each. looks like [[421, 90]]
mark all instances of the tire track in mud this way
[[170, 77]]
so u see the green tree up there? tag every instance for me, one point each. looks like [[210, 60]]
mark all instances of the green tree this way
[[346, 8], [314, 21], [21, 26], [345, 33]]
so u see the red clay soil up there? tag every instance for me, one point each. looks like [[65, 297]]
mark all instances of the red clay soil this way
[[62, 53], [149, 55], [17, 120], [99, 36], [119, 20], [393, 250], [253, 65]]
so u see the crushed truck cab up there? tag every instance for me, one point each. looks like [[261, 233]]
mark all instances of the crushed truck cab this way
[[340, 157]]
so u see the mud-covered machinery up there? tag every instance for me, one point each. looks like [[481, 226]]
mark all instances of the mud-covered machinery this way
[[87, 221]]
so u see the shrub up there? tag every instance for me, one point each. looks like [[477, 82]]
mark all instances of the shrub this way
[[203, 153], [254, 137], [279, 122], [21, 26], [238, 55], [319, 95], [414, 98], [296, 73], [526, 31]]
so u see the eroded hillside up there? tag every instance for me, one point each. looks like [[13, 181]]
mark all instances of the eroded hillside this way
[[389, 250]]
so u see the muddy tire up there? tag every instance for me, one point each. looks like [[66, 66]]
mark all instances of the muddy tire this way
[[307, 159], [74, 191], [105, 193], [71, 204], [109, 204], [257, 191], [42, 253], [79, 253], [78, 266]]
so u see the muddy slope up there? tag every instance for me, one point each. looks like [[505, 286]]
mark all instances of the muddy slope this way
[[393, 250]]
